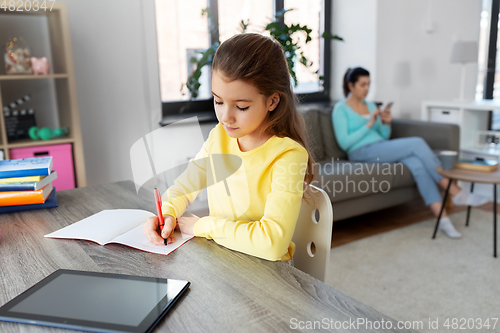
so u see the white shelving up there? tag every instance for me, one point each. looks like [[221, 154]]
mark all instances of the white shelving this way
[[472, 117]]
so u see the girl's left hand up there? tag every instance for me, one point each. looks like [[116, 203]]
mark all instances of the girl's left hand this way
[[186, 224], [386, 116]]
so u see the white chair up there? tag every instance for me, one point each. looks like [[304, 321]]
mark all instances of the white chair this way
[[313, 235]]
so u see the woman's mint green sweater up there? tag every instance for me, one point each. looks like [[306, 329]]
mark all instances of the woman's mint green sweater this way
[[351, 130]]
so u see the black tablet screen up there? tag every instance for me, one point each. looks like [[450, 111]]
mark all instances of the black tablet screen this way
[[110, 299], [95, 298]]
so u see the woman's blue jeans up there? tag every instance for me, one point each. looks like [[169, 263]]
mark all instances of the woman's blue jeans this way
[[412, 152]]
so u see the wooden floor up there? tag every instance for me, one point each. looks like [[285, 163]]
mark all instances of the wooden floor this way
[[355, 228]]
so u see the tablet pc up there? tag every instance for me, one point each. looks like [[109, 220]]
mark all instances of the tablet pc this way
[[95, 302]]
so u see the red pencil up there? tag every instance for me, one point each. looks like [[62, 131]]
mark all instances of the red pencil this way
[[158, 209]]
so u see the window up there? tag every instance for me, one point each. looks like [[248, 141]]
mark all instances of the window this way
[[488, 83], [488, 45], [483, 49], [307, 13], [183, 31]]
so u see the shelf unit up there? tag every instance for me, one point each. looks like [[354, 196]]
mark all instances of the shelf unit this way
[[472, 117], [63, 78], [33, 77]]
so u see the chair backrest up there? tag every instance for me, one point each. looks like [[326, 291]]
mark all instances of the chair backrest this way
[[313, 235]]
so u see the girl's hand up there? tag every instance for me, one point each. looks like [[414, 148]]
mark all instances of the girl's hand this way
[[373, 118], [386, 116], [151, 229], [186, 224]]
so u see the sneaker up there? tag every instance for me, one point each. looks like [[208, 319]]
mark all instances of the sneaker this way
[[447, 227], [464, 198]]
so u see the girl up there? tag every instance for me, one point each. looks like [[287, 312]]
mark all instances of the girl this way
[[253, 211], [363, 131]]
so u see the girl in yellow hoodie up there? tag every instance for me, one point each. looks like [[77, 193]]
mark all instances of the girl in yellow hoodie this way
[[255, 160]]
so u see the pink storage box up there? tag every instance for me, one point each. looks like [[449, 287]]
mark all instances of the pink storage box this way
[[62, 161]]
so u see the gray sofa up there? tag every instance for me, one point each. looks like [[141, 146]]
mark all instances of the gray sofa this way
[[360, 188]]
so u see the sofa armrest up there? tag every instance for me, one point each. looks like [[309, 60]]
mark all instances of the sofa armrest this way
[[439, 136]]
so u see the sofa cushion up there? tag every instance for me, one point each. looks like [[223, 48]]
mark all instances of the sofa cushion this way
[[332, 149], [313, 135], [439, 136], [344, 180]]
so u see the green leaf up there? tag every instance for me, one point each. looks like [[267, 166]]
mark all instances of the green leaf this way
[[274, 28], [294, 77], [282, 12], [328, 35], [303, 60], [244, 26]]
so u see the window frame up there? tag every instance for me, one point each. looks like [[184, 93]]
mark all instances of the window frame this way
[[204, 109], [489, 80]]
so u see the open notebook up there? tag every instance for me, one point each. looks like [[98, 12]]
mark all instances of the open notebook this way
[[122, 226]]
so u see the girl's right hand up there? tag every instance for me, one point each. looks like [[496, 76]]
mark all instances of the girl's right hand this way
[[373, 118], [151, 229]]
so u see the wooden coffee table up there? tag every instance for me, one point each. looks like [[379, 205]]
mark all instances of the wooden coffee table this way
[[472, 177]]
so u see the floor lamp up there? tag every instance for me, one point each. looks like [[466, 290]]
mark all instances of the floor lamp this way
[[463, 53]]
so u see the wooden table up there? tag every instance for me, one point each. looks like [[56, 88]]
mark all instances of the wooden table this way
[[472, 177], [230, 291]]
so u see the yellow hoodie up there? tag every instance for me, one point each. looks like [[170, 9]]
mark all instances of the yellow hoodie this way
[[254, 197]]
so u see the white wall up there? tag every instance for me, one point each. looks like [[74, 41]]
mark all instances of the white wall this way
[[403, 42], [355, 22], [118, 97]]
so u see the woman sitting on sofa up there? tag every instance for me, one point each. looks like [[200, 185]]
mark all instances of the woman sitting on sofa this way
[[363, 132]]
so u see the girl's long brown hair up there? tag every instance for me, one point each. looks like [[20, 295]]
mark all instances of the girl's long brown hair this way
[[260, 61]]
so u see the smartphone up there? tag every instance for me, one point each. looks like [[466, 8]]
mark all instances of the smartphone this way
[[388, 106]]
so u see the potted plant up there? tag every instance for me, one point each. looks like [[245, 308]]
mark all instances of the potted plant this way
[[283, 33]]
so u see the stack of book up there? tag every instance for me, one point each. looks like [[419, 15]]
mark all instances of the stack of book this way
[[26, 184]]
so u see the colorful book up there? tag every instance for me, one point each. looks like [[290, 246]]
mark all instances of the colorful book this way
[[476, 165], [31, 186], [13, 198], [49, 203], [29, 179], [23, 167]]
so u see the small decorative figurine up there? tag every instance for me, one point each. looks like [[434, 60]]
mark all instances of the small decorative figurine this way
[[17, 57], [40, 65]]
